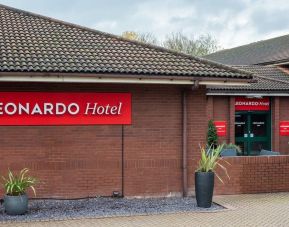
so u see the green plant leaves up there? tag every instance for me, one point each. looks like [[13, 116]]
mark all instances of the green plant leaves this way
[[212, 136], [210, 160], [17, 184]]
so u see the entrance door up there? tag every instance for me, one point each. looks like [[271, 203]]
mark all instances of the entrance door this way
[[252, 132]]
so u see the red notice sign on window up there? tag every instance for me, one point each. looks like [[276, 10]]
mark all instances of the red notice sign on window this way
[[69, 108], [243, 103], [284, 128], [221, 128]]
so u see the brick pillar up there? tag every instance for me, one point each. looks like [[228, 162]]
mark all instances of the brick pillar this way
[[210, 107], [275, 123], [231, 124]]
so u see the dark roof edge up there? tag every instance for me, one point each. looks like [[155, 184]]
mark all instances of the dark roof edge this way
[[277, 62], [206, 61], [247, 92]]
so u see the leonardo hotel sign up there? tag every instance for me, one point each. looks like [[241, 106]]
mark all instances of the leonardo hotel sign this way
[[243, 103], [59, 108]]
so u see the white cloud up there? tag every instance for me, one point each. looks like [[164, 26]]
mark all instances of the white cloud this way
[[233, 23], [108, 26]]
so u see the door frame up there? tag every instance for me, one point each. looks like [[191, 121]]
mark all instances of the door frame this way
[[248, 139]]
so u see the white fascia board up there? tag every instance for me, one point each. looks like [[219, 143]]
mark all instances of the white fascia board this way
[[224, 83], [89, 79], [74, 79]]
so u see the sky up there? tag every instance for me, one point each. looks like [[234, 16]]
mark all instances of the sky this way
[[231, 22]]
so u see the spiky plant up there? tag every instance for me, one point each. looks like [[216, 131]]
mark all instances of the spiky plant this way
[[16, 185], [210, 160]]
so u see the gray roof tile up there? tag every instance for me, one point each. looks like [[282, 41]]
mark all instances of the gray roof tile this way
[[269, 79], [34, 43], [275, 50]]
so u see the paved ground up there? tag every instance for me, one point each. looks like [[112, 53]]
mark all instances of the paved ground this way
[[246, 210]]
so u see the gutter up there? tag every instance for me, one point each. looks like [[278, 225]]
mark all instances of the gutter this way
[[118, 78]]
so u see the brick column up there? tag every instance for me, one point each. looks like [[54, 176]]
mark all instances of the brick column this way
[[275, 123], [231, 124]]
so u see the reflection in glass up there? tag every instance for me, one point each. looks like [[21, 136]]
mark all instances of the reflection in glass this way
[[258, 146]]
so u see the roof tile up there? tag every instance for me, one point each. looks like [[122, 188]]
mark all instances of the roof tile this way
[[34, 43], [269, 79]]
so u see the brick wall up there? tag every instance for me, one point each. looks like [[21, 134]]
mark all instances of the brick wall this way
[[255, 175], [221, 112], [80, 161], [197, 132], [153, 143], [283, 116]]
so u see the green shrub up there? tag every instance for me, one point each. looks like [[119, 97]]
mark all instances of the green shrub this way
[[17, 184], [212, 137]]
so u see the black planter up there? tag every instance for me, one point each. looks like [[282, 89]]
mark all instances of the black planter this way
[[204, 188], [16, 205]]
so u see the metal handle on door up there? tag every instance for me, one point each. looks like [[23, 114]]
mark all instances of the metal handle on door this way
[[251, 135], [245, 135]]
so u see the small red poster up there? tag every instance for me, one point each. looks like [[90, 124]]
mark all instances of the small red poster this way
[[221, 128], [284, 128], [243, 103]]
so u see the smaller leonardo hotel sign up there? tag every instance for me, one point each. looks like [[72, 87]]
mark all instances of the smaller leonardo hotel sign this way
[[221, 127], [284, 128], [243, 103], [69, 108]]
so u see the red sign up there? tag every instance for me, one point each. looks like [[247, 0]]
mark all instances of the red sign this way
[[284, 128], [59, 108], [221, 128], [243, 103]]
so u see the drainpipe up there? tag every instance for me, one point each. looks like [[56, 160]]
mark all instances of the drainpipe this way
[[184, 153], [122, 160]]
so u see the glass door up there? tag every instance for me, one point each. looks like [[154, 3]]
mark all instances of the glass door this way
[[241, 132], [259, 133], [252, 132]]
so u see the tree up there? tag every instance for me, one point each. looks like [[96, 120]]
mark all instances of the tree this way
[[200, 46], [141, 37], [212, 137]]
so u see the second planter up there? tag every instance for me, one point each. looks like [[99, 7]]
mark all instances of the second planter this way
[[204, 188]]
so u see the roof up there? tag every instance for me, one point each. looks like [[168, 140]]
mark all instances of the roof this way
[[269, 79], [33, 43], [265, 52]]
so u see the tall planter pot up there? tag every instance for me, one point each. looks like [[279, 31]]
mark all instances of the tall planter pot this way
[[16, 205], [204, 188]]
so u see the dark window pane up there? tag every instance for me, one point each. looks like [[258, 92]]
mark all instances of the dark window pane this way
[[259, 125], [240, 125]]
